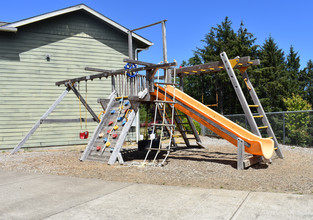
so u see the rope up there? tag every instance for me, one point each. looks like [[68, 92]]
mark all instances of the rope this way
[[80, 111], [86, 108]]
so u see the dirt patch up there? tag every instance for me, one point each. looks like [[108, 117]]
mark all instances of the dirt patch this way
[[212, 167]]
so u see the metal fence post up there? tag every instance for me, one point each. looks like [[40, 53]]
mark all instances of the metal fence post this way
[[284, 129]]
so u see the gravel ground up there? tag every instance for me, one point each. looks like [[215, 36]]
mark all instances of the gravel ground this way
[[212, 167]]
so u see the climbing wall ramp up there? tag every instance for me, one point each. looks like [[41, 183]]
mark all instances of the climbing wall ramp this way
[[111, 131]]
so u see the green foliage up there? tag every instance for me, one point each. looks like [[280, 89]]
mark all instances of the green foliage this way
[[277, 77], [297, 124]]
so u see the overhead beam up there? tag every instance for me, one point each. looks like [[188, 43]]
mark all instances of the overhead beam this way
[[215, 66], [106, 73]]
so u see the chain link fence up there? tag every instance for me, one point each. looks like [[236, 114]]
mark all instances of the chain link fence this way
[[290, 128]]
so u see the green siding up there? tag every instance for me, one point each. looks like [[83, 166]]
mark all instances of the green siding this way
[[27, 89]]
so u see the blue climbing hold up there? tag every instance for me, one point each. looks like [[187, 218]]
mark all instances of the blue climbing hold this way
[[121, 100], [105, 140], [119, 119], [126, 103], [112, 112], [124, 122]]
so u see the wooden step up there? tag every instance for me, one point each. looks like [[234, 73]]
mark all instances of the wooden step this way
[[167, 125], [258, 116], [262, 127], [253, 106]]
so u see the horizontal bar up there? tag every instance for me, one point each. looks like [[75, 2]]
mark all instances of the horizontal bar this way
[[106, 73], [262, 127], [161, 101], [137, 62], [214, 67], [51, 121], [167, 125], [253, 106], [258, 116], [165, 83], [159, 22]]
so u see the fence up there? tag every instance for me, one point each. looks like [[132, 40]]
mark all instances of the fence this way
[[291, 128]]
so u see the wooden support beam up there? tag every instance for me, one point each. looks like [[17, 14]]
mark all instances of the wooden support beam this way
[[138, 62], [93, 114], [214, 66], [52, 121], [106, 73], [44, 116]]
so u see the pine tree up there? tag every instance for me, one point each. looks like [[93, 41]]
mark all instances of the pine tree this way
[[220, 38], [306, 82], [269, 83]]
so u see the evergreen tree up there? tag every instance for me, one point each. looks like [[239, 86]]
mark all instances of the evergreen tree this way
[[306, 82], [271, 78], [220, 38]]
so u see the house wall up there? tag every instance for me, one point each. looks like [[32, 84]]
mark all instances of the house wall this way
[[73, 41]]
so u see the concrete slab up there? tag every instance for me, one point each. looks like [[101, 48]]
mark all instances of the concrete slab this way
[[142, 201], [29, 196], [265, 205], [43, 195]]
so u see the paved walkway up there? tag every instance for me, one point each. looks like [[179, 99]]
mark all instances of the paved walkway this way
[[30, 196]]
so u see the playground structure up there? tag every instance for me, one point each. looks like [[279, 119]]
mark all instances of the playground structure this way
[[130, 89]]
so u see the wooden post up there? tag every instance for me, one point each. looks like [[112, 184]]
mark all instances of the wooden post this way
[[89, 109], [240, 154], [130, 45]]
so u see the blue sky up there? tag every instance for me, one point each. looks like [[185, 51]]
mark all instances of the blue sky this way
[[189, 21]]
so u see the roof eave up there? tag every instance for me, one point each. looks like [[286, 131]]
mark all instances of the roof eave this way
[[72, 9]]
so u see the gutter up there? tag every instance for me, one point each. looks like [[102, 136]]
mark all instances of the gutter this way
[[8, 29]]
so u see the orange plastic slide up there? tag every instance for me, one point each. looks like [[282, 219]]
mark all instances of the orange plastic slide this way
[[217, 123]]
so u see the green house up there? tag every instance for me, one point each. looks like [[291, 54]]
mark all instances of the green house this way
[[37, 52]]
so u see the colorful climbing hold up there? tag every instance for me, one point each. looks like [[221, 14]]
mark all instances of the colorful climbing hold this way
[[98, 148], [119, 119], [121, 107], [105, 140], [114, 136], [126, 103], [112, 112], [110, 123], [109, 131], [101, 135], [124, 122], [115, 127], [108, 144]]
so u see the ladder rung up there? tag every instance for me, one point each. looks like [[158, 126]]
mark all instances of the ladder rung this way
[[186, 131], [158, 149], [275, 148], [253, 106], [169, 102], [262, 127], [270, 137], [167, 125], [258, 116], [165, 83], [176, 135]]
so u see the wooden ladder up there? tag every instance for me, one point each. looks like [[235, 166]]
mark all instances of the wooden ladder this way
[[182, 128], [256, 103]]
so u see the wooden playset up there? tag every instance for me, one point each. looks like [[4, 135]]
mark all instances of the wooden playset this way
[[130, 89]]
